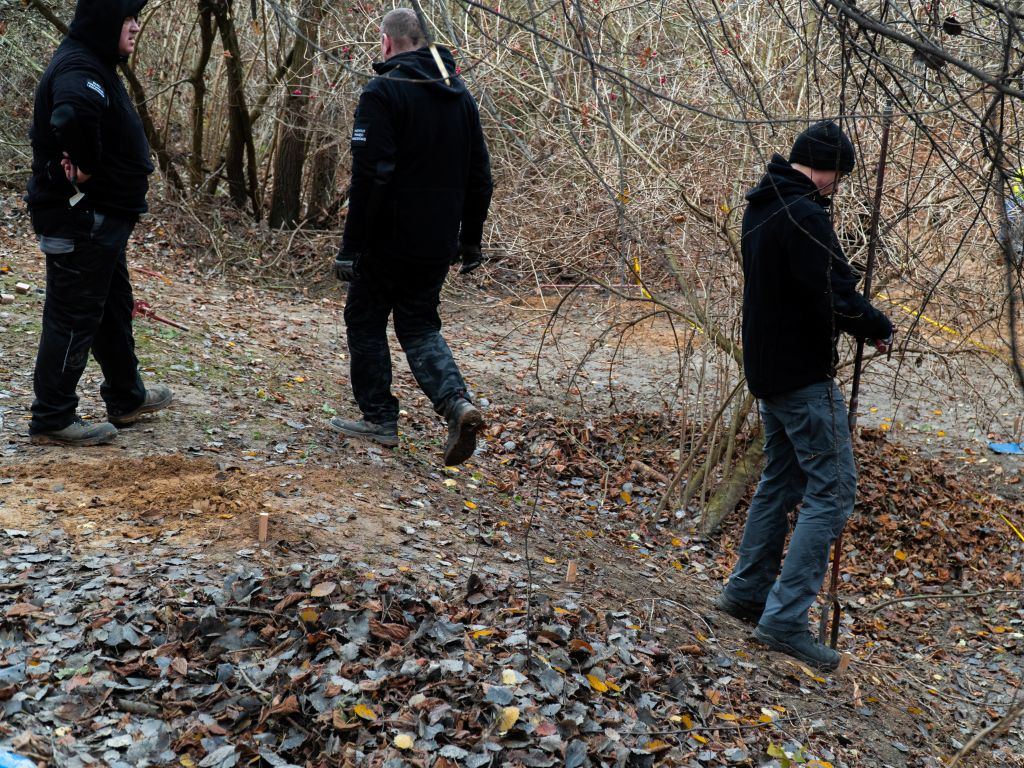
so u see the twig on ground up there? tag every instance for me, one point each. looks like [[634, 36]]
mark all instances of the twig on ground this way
[[943, 596]]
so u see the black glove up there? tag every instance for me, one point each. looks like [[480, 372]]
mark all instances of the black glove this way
[[470, 256], [346, 266]]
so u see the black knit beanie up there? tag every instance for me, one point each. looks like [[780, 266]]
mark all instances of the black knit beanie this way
[[823, 147]]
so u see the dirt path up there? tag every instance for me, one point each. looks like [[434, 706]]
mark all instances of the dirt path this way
[[258, 374]]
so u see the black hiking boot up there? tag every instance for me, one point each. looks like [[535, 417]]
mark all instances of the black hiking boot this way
[[464, 421], [157, 398], [740, 609], [76, 434], [385, 434], [800, 645]]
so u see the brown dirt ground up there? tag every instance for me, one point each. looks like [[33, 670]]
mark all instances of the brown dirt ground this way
[[257, 376]]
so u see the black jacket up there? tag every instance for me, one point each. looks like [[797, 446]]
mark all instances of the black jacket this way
[[82, 108], [421, 174], [799, 291]]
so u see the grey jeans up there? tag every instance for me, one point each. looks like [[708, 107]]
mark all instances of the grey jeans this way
[[810, 460]]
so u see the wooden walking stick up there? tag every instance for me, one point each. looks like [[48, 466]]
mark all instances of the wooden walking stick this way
[[833, 596], [869, 270]]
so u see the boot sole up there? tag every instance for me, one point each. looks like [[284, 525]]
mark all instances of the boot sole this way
[[127, 419], [83, 443], [783, 647], [464, 444], [389, 441]]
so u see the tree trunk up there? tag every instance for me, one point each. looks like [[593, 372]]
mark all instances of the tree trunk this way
[[323, 197], [207, 33], [286, 200], [731, 490], [240, 151]]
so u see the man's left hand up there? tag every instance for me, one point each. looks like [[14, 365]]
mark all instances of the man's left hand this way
[[345, 266], [72, 171]]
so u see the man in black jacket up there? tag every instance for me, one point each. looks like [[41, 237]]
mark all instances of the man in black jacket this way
[[421, 187], [90, 162], [799, 294]]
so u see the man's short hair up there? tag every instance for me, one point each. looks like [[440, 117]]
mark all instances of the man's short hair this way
[[402, 26]]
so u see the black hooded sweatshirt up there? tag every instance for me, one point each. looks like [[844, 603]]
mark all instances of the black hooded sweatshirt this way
[[421, 174], [101, 133], [799, 292]]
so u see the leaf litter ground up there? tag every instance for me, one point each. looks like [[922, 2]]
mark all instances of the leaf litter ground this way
[[402, 613]]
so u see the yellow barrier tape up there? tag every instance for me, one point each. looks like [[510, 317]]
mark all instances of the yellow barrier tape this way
[[1014, 527], [943, 327], [636, 271]]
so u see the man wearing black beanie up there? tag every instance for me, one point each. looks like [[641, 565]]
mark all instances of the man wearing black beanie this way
[[799, 293]]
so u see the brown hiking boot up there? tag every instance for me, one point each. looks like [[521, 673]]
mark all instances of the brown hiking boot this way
[[385, 434], [157, 398], [76, 434], [464, 421]]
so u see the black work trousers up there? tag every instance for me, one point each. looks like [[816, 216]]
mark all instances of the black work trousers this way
[[413, 295], [88, 307]]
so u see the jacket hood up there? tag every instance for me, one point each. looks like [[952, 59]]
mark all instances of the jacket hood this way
[[420, 65], [98, 23], [782, 180]]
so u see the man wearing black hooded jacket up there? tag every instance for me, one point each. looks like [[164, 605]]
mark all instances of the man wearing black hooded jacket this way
[[90, 162], [421, 187], [799, 293]]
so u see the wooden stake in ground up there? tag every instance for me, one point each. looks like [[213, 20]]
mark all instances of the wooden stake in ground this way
[[264, 526], [570, 572]]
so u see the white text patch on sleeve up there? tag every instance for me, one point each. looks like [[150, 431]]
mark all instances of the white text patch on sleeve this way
[[93, 85]]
